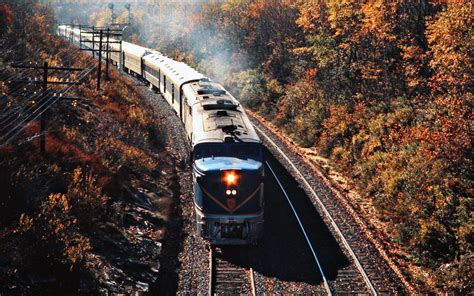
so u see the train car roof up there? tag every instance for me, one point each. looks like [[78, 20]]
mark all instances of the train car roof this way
[[136, 50], [217, 116], [179, 73]]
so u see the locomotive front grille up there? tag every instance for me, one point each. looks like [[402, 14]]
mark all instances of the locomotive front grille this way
[[230, 230]]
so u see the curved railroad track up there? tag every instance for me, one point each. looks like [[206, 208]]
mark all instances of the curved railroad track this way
[[368, 273], [365, 275], [351, 281]]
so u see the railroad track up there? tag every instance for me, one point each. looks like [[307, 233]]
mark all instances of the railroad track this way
[[368, 273], [226, 278]]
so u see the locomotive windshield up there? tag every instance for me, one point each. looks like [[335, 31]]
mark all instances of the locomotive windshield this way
[[238, 150]]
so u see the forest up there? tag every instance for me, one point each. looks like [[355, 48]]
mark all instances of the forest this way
[[383, 89]]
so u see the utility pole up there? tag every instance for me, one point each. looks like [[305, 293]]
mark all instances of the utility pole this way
[[99, 71], [43, 115], [45, 83], [72, 33], [107, 56], [80, 36], [121, 56], [93, 40], [109, 32]]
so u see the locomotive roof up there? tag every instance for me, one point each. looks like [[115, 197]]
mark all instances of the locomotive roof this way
[[178, 72], [217, 116]]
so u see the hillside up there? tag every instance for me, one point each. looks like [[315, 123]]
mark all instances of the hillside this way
[[379, 90], [91, 214], [376, 93]]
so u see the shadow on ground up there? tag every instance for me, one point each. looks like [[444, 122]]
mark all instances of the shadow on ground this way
[[284, 252]]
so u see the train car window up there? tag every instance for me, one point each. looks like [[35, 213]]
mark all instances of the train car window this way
[[172, 93]]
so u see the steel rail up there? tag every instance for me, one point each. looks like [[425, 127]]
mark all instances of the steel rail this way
[[211, 270], [252, 282], [326, 283], [326, 213], [214, 274]]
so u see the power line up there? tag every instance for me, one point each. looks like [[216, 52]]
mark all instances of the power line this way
[[52, 100], [40, 97], [27, 103]]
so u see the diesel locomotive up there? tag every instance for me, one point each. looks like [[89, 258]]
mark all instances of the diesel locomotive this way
[[227, 154]]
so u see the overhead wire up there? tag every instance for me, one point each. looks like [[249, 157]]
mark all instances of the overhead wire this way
[[26, 70], [52, 100], [44, 103], [5, 116], [39, 96], [14, 92]]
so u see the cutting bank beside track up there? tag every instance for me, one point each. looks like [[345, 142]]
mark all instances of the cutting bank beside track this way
[[376, 271]]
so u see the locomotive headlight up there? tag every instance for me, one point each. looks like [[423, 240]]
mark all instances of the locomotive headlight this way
[[234, 192], [228, 192], [231, 178]]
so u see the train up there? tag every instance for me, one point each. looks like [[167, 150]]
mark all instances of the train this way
[[226, 152]]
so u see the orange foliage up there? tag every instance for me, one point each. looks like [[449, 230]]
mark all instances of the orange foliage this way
[[450, 37]]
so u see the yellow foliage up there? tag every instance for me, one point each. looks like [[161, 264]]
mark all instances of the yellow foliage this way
[[137, 115], [58, 201], [76, 249], [371, 146], [84, 190], [70, 133], [24, 223]]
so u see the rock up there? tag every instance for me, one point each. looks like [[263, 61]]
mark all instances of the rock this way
[[152, 195], [135, 264], [142, 286], [158, 246], [156, 268]]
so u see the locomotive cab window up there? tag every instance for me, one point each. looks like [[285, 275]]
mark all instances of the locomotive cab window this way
[[238, 150]]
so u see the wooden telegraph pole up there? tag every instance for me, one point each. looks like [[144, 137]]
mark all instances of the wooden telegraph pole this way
[[45, 83], [99, 70], [43, 115], [108, 33], [107, 56]]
